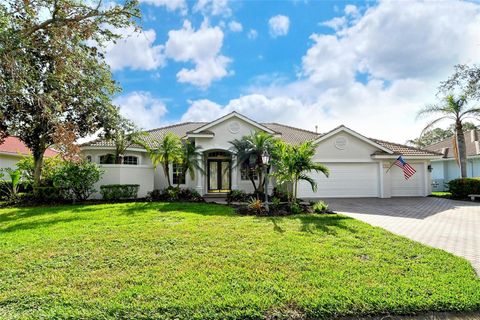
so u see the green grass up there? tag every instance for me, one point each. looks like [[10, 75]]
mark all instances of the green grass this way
[[199, 261], [441, 194]]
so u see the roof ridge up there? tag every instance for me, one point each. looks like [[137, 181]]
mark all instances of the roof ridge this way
[[403, 145], [175, 125], [291, 127]]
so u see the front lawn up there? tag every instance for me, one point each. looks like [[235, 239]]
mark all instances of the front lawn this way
[[200, 261]]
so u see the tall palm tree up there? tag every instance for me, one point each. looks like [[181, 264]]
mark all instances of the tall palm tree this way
[[165, 151], [249, 150], [190, 160], [456, 110]]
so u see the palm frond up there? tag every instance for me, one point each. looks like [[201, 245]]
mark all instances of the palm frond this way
[[432, 123], [307, 178]]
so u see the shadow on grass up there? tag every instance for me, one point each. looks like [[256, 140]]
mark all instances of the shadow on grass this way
[[204, 209], [36, 224], [313, 223]]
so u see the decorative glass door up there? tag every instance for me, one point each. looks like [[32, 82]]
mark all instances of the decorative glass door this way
[[219, 178]]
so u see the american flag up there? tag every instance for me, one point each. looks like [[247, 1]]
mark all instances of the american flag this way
[[408, 170]]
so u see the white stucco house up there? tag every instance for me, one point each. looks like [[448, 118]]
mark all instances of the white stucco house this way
[[358, 165], [446, 167]]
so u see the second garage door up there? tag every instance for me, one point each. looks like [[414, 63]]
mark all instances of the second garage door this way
[[413, 187], [345, 180]]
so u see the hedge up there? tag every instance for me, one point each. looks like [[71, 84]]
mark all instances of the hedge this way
[[119, 191], [461, 188]]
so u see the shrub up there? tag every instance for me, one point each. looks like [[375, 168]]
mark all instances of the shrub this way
[[49, 168], [320, 207], [275, 203], [237, 196], [295, 208], [175, 194], [461, 188], [119, 191], [76, 179], [48, 194], [280, 194], [256, 206]]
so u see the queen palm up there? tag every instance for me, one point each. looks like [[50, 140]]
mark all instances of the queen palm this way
[[190, 160], [249, 150], [164, 152], [456, 110]]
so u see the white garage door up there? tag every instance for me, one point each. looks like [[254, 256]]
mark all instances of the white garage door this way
[[413, 187], [345, 180]]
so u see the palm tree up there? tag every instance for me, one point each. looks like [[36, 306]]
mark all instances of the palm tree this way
[[293, 163], [249, 150], [190, 160], [456, 110], [165, 152]]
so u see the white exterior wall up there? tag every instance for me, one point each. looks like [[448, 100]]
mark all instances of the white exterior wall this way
[[142, 175], [9, 161]]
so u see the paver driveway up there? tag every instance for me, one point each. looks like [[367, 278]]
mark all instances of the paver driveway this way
[[453, 226]]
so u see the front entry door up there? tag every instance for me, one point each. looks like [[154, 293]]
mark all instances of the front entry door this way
[[219, 176]]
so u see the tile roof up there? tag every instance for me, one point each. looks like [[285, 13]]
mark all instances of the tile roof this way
[[401, 149], [448, 143], [15, 146], [289, 134]]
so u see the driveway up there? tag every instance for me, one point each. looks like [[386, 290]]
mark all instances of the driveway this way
[[453, 226]]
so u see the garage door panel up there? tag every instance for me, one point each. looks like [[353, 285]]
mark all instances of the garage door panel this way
[[413, 187], [345, 180]]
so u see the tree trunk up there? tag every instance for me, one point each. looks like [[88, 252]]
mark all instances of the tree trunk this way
[[260, 179], [38, 163], [167, 173], [295, 188], [461, 148]]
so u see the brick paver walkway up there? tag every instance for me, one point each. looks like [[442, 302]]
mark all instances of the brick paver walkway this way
[[453, 226]]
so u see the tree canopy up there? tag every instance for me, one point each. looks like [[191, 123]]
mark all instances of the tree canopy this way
[[54, 83]]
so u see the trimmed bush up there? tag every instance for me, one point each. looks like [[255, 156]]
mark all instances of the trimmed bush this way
[[119, 191], [76, 179], [175, 194], [461, 188], [48, 194]]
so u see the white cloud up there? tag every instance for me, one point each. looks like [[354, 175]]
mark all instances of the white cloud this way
[[336, 23], [252, 34], [136, 50], [201, 47], [235, 26], [401, 54], [144, 110], [279, 25], [213, 7], [170, 5], [351, 10]]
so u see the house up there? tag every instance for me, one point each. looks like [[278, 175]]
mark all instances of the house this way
[[446, 168], [358, 165], [13, 149]]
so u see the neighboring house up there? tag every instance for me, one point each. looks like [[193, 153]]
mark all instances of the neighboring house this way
[[13, 149], [446, 168], [358, 165]]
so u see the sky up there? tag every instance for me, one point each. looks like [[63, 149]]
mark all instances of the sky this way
[[367, 65]]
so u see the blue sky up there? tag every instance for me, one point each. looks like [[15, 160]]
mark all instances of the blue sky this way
[[368, 65]]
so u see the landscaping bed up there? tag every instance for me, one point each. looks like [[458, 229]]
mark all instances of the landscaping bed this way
[[203, 261]]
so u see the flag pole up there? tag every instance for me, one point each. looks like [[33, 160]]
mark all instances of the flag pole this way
[[391, 166]]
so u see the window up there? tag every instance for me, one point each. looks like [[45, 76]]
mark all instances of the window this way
[[130, 160], [178, 177], [246, 171], [89, 158], [107, 159]]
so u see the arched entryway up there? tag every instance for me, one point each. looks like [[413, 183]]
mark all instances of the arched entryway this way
[[219, 171]]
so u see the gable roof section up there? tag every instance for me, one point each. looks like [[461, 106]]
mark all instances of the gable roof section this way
[[400, 149], [448, 143], [342, 128], [233, 114], [14, 146]]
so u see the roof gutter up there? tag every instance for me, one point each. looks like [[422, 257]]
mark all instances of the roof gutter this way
[[395, 156]]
